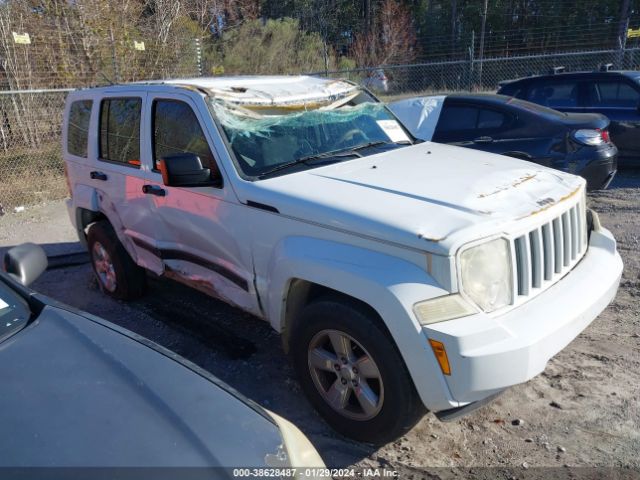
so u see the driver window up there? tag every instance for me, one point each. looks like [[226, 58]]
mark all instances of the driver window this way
[[176, 130]]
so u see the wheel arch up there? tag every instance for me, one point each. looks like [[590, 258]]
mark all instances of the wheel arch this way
[[84, 219], [303, 292]]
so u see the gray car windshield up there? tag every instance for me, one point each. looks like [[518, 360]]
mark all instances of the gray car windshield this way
[[14, 312], [266, 144]]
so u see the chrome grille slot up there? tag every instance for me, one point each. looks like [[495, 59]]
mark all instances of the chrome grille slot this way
[[522, 262], [557, 241], [574, 232], [566, 239], [535, 248], [546, 253]]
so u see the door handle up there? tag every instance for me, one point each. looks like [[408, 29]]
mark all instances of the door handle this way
[[153, 190], [98, 176], [483, 140]]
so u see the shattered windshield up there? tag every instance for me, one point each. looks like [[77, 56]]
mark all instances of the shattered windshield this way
[[284, 141]]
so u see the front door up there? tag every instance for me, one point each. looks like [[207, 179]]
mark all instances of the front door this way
[[199, 232]]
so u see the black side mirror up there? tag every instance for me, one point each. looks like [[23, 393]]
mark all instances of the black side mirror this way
[[185, 170], [25, 262]]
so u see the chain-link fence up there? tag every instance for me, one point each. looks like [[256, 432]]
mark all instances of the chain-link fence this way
[[479, 75], [31, 168], [39, 64], [36, 53]]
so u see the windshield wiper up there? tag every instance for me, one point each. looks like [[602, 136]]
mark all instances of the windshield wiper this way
[[338, 154], [343, 152], [346, 152]]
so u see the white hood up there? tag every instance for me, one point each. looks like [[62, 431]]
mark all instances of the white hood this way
[[425, 196]]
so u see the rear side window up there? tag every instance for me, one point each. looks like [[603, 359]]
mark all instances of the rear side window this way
[[555, 95], [490, 119], [457, 118], [613, 94], [120, 130], [78, 127], [176, 130]]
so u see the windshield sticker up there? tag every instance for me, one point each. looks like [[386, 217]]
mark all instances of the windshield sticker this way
[[393, 130], [3, 304]]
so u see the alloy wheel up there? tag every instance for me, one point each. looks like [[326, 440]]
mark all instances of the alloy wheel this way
[[104, 267], [345, 375]]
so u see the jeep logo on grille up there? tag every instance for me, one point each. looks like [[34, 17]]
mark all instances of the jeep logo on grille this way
[[545, 201]]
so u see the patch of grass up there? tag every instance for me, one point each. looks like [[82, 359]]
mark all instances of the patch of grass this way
[[29, 176]]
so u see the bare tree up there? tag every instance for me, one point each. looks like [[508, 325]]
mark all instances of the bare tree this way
[[392, 39]]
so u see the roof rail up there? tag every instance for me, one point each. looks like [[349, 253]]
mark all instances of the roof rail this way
[[556, 70], [605, 67]]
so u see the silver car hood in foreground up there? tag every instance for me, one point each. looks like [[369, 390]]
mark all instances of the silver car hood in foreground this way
[[425, 196], [76, 392]]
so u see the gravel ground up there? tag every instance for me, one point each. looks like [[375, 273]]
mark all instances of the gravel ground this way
[[581, 412]]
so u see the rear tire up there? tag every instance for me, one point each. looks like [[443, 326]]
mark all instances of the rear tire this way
[[117, 274], [368, 396]]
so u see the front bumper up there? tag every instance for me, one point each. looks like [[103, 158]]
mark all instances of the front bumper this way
[[490, 353]]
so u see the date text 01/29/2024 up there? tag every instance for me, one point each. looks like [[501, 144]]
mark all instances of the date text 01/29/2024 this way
[[314, 473]]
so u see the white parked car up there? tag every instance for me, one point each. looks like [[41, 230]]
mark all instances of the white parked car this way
[[376, 80], [400, 275]]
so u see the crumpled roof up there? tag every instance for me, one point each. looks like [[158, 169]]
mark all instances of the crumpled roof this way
[[267, 91], [420, 115]]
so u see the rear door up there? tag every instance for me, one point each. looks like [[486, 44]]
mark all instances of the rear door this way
[[116, 171], [619, 100], [198, 232]]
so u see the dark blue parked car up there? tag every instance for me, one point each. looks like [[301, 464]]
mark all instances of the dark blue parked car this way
[[615, 94], [574, 143]]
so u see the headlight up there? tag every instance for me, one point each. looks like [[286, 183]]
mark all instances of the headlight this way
[[486, 274], [299, 450]]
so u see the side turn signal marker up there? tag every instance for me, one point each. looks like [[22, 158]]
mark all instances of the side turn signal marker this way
[[441, 356]]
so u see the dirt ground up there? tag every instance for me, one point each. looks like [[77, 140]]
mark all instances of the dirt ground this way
[[581, 412]]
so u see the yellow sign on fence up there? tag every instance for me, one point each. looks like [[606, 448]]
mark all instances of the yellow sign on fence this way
[[631, 33], [138, 45], [22, 38]]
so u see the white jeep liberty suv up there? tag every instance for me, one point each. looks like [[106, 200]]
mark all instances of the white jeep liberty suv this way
[[401, 275]]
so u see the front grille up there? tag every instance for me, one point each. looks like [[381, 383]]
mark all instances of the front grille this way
[[547, 253]]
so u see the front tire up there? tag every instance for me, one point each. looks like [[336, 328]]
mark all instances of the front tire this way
[[116, 272], [352, 373]]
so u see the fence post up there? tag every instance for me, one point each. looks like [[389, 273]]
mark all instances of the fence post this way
[[114, 57], [471, 54], [198, 56], [622, 41]]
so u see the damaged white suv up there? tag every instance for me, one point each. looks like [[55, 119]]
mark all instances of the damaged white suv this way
[[400, 275]]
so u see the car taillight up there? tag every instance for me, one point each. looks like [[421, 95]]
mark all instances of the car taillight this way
[[605, 135], [591, 136]]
